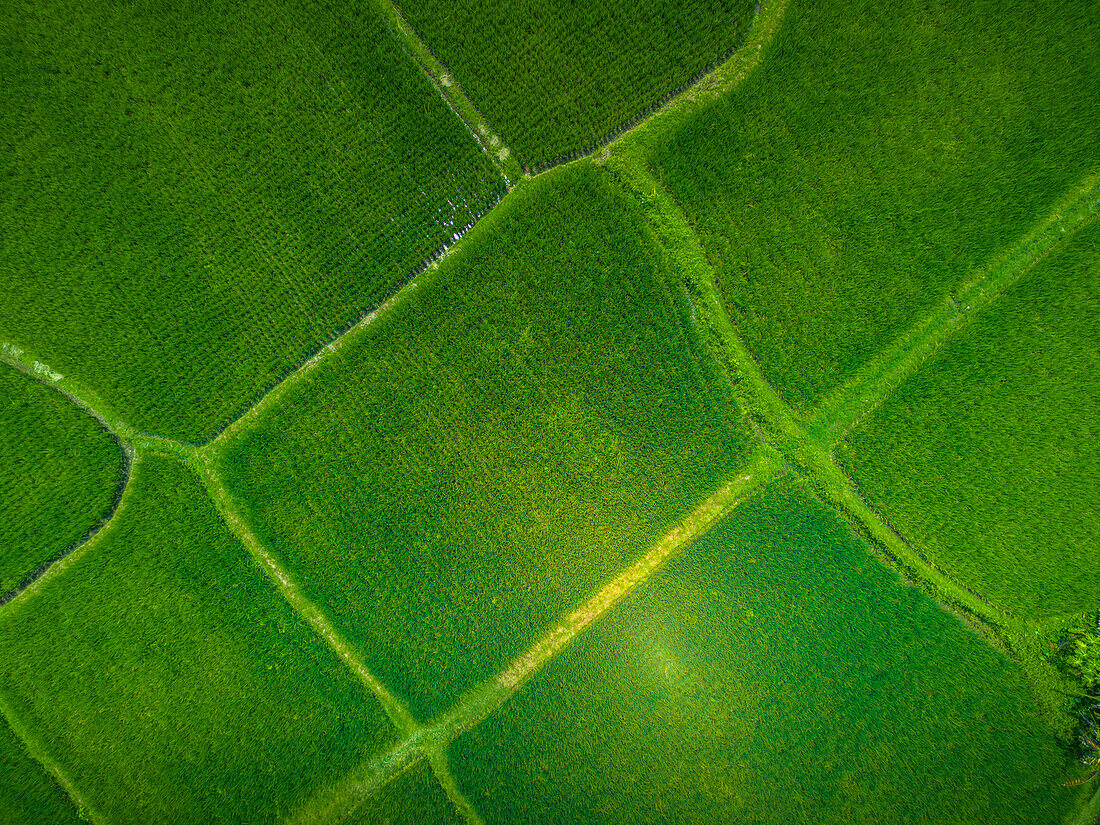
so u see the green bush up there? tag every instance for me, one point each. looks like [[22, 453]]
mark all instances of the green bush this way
[[1085, 659]]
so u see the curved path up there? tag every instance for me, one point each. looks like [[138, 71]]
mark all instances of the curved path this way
[[16, 357]]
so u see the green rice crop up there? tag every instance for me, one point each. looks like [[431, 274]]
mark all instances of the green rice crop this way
[[882, 151], [514, 433], [556, 78], [413, 798], [29, 795], [774, 673], [62, 472], [986, 459], [169, 679], [195, 196]]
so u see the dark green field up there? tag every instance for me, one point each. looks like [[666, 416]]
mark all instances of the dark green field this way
[[496, 448], [195, 197], [987, 458], [27, 792], [882, 151], [558, 77], [774, 673], [62, 471], [163, 671]]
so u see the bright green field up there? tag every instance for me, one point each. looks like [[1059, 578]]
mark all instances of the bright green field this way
[[29, 795], [170, 681], [521, 428], [194, 197], [560, 76], [62, 471], [881, 152], [987, 458], [774, 673]]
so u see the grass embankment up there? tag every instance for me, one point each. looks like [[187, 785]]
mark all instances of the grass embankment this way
[[196, 197], [165, 675], [881, 152], [62, 475], [775, 421], [987, 457], [557, 78], [774, 672], [509, 437]]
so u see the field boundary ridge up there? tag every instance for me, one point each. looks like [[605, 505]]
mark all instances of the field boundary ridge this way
[[856, 398], [779, 425], [710, 82], [500, 155], [431, 740], [84, 810], [227, 507], [119, 432], [707, 88]]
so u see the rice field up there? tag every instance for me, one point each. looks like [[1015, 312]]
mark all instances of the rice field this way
[[881, 153], [732, 463], [197, 196], [167, 676], [986, 458], [557, 79], [775, 672], [529, 420], [62, 475], [27, 792]]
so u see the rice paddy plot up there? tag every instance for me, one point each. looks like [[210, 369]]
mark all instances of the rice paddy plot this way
[[775, 672], [509, 437], [196, 196], [28, 794], [986, 459], [169, 680], [880, 153], [62, 472], [413, 798], [558, 77]]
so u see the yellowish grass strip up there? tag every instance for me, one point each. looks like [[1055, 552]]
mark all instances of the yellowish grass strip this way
[[394, 708]]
